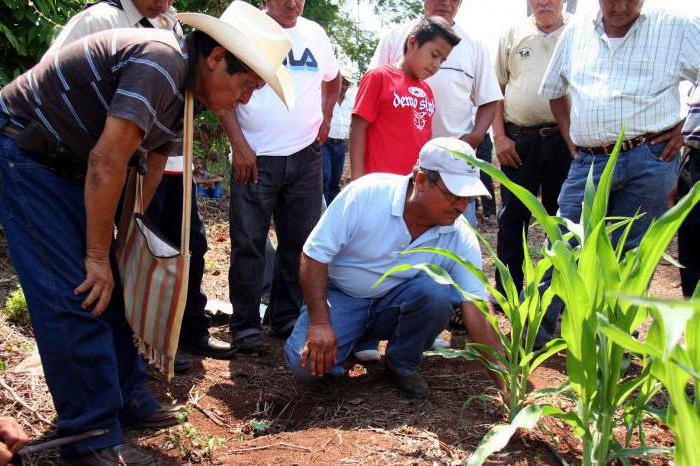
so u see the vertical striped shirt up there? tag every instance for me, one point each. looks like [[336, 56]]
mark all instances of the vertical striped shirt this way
[[632, 84], [691, 129], [135, 74]]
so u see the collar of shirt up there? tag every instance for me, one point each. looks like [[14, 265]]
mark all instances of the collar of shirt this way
[[600, 28], [131, 12], [398, 204]]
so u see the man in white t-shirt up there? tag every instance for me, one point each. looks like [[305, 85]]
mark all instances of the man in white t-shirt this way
[[464, 84], [277, 173], [359, 238]]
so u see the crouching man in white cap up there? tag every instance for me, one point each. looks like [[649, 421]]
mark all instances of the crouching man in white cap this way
[[68, 128], [359, 238]]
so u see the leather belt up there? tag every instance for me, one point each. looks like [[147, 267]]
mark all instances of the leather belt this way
[[542, 131], [335, 140], [10, 131], [625, 146]]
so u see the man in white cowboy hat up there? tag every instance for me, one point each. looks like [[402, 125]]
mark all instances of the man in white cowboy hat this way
[[165, 211], [277, 174], [68, 128], [343, 259]]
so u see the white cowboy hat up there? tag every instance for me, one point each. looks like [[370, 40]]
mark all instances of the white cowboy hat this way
[[254, 38]]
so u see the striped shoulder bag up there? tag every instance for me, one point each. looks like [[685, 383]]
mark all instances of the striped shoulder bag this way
[[154, 273]]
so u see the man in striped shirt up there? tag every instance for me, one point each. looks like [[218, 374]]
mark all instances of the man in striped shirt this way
[[622, 70], [68, 127], [165, 210]]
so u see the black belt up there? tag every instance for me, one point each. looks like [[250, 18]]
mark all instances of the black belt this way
[[10, 130], [335, 140], [543, 131], [625, 146]]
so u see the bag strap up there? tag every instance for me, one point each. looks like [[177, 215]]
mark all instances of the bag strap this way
[[187, 142]]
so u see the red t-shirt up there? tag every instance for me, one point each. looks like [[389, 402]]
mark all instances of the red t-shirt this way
[[400, 111]]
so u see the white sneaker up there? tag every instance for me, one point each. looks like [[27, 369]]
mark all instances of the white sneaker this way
[[439, 343], [370, 355]]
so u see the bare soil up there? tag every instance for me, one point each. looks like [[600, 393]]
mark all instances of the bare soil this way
[[265, 417]]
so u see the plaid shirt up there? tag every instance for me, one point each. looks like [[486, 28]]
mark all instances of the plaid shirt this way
[[632, 84], [691, 129]]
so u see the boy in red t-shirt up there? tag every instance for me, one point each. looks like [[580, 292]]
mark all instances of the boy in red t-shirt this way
[[393, 109]]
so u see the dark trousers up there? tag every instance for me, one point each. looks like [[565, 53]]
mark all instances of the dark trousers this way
[[545, 164], [288, 190], [485, 152], [93, 371], [333, 161], [165, 211], [689, 232]]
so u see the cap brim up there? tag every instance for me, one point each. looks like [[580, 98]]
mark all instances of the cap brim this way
[[464, 186]]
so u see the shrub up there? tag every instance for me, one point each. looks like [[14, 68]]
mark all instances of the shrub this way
[[16, 308]]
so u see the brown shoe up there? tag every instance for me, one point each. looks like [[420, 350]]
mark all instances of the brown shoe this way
[[117, 455], [413, 385]]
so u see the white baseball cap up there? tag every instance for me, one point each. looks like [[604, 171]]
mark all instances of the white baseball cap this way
[[460, 177]]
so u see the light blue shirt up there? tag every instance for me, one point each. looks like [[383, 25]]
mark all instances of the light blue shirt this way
[[361, 235]]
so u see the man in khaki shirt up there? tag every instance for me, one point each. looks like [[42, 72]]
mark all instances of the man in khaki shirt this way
[[113, 14], [529, 146]]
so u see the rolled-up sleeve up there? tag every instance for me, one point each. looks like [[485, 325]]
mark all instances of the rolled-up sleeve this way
[[468, 248], [555, 84]]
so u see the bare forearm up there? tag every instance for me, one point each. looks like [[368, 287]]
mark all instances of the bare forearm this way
[[484, 117], [561, 109], [103, 187], [478, 327], [357, 146], [154, 175], [498, 125], [314, 282], [330, 91], [229, 122]]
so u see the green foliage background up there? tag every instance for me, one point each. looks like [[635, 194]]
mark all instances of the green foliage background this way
[[27, 27]]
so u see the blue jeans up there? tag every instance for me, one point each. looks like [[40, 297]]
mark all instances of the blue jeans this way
[[94, 373], [640, 181], [288, 190], [410, 316], [217, 192], [545, 163], [333, 161]]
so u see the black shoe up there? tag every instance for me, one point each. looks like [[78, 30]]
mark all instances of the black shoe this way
[[116, 455], [182, 363], [283, 331], [251, 344], [413, 385], [210, 347]]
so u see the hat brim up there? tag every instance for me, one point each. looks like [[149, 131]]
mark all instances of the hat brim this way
[[464, 185], [232, 39]]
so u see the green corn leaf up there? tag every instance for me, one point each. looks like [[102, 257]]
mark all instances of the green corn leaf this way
[[638, 270], [602, 195], [526, 197], [544, 392], [499, 436], [644, 452], [547, 352]]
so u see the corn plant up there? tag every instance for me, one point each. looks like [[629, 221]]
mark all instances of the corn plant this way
[[588, 273], [673, 362]]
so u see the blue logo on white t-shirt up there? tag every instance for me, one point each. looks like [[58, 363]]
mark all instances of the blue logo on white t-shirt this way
[[307, 62]]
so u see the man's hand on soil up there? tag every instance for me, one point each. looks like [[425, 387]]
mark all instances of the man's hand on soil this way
[[321, 349]]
